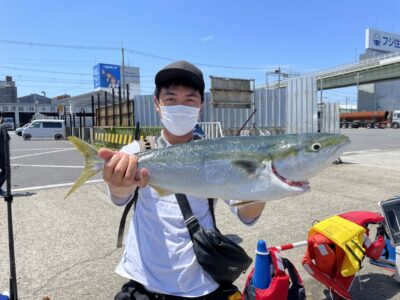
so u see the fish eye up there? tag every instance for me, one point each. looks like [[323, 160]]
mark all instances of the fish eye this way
[[315, 147]]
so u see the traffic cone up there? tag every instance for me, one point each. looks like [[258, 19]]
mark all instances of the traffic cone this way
[[262, 266]]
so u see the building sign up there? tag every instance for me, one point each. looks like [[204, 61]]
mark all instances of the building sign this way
[[132, 75], [383, 41], [106, 76], [231, 92]]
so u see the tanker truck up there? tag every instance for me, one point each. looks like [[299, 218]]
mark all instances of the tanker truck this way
[[370, 119]]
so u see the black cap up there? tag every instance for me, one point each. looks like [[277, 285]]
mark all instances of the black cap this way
[[181, 70]]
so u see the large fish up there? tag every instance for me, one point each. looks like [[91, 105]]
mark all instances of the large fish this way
[[255, 168]]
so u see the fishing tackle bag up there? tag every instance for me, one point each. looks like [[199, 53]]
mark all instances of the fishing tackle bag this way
[[220, 257], [286, 283]]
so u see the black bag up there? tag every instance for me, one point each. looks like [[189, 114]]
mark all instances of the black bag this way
[[221, 258]]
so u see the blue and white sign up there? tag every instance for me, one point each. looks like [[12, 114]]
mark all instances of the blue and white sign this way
[[383, 41], [106, 76]]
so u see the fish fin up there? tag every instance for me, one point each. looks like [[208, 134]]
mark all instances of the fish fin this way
[[90, 154], [161, 192], [249, 166], [86, 174], [87, 150], [240, 203]]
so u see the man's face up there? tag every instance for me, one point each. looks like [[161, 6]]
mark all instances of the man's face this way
[[179, 95]]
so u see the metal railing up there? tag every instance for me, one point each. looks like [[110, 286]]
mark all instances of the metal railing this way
[[212, 130]]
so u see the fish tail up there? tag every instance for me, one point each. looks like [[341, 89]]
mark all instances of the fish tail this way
[[90, 154]]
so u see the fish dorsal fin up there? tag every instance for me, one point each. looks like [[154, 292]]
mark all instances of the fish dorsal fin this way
[[249, 166], [161, 192]]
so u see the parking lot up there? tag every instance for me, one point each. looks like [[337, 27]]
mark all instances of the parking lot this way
[[66, 249]]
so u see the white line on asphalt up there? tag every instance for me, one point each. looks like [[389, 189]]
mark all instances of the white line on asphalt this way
[[37, 149], [35, 154], [47, 166], [33, 188]]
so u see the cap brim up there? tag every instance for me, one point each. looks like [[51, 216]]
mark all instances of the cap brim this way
[[169, 74]]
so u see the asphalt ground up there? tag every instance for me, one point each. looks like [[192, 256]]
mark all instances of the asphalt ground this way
[[66, 249]]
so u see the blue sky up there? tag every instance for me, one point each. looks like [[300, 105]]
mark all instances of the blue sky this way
[[253, 36]]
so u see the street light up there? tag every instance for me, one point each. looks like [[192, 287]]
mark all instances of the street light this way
[[44, 93]]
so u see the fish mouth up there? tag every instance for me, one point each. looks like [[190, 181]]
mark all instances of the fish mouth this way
[[303, 184]]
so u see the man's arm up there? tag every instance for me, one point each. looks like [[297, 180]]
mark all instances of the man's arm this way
[[249, 213]]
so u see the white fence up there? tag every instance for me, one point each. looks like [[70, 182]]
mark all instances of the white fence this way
[[212, 130]]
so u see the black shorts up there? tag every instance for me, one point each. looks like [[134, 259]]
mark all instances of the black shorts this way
[[133, 290]]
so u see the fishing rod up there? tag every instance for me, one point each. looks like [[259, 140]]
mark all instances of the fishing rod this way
[[247, 121]]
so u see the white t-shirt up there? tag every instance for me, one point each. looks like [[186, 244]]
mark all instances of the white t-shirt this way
[[158, 251]]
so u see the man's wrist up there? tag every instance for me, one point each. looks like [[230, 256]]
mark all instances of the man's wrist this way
[[121, 192]]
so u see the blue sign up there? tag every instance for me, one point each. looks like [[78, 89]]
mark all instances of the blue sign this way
[[106, 76]]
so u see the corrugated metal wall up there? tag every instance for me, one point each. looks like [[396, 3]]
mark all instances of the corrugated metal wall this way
[[145, 112], [297, 114], [329, 118], [302, 105], [271, 111]]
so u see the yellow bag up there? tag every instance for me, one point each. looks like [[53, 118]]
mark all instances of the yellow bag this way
[[348, 236]]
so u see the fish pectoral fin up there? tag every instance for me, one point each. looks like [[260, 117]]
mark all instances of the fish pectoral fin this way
[[162, 192], [249, 166], [240, 203]]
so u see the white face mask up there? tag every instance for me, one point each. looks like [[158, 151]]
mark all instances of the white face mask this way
[[179, 119]]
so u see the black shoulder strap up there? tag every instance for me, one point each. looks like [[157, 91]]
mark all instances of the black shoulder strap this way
[[191, 222], [123, 217], [211, 207], [296, 290]]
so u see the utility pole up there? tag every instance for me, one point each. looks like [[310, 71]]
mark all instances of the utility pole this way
[[320, 89], [123, 70], [357, 78]]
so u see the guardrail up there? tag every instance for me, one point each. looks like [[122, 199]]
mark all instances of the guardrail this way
[[343, 68]]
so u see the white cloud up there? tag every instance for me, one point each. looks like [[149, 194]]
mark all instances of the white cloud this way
[[207, 38]]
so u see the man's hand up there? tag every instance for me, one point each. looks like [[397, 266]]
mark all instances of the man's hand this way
[[121, 172]]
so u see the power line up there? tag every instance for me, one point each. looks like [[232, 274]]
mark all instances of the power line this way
[[42, 71], [102, 48], [59, 72]]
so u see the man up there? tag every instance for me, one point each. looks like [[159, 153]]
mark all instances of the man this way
[[159, 259]]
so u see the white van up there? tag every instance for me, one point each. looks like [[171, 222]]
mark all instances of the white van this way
[[9, 122], [45, 128]]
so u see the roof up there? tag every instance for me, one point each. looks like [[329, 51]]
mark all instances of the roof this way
[[86, 99]]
